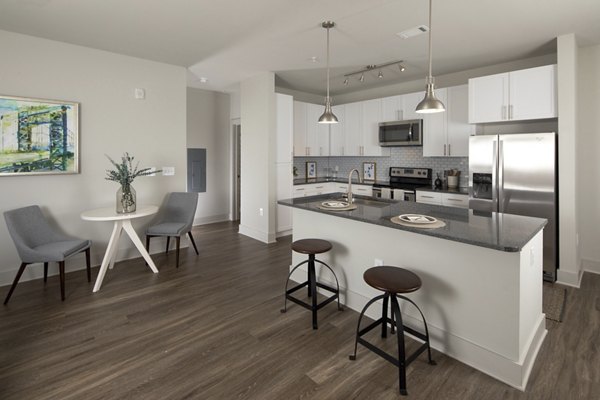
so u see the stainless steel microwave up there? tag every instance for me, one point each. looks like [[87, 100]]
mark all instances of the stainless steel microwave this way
[[401, 133]]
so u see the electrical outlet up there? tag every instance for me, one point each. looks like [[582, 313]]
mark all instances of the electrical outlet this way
[[168, 171], [139, 94], [378, 262], [260, 212]]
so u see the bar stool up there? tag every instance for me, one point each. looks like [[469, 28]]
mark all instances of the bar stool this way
[[311, 247], [392, 281]]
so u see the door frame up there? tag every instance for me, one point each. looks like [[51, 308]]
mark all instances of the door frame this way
[[236, 148]]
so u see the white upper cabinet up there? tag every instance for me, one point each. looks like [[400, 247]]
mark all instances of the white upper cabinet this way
[[284, 126], [300, 146], [310, 137], [435, 130], [513, 96], [353, 129], [391, 108], [371, 117], [533, 93], [458, 125], [447, 134], [409, 105], [336, 132]]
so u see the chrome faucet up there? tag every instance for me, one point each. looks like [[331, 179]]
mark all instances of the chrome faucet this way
[[349, 194]]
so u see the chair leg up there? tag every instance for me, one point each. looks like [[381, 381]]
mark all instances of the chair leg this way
[[45, 272], [12, 288], [61, 267], [177, 240], [147, 246], [167, 248], [88, 264], [193, 243]]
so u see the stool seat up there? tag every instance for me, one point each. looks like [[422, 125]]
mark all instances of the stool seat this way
[[311, 246], [392, 279]]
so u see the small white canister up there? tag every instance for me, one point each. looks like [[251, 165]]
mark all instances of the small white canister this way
[[452, 181]]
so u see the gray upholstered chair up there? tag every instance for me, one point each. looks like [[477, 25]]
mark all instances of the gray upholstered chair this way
[[175, 220], [38, 242]]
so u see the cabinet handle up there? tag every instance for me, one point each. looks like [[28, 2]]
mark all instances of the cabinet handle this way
[[510, 112], [307, 151], [342, 150], [320, 150], [318, 187], [454, 200], [503, 112], [401, 114], [427, 197], [444, 149], [449, 151], [299, 188]]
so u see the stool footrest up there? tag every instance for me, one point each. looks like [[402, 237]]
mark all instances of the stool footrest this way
[[297, 287]]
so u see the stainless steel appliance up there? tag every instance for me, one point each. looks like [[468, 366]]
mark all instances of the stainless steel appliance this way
[[403, 182], [401, 133], [517, 174]]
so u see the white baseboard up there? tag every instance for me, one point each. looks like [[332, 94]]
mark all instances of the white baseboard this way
[[513, 373], [569, 278], [591, 266], [77, 262], [284, 233], [264, 237], [211, 219]]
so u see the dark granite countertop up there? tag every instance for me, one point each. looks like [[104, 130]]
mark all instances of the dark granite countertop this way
[[445, 189], [504, 232], [304, 181]]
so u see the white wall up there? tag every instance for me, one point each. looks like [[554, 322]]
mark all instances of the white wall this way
[[588, 105], [570, 261], [208, 128], [111, 122], [258, 186]]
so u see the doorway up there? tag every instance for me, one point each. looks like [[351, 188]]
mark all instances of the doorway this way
[[236, 130]]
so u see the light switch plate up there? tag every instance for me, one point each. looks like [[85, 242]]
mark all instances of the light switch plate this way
[[140, 94], [168, 171], [153, 170]]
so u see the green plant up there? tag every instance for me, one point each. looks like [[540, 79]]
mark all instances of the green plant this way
[[125, 172]]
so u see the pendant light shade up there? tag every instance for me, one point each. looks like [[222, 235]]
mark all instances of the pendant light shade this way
[[328, 117], [430, 104]]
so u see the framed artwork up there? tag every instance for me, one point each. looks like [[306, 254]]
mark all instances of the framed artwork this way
[[369, 171], [38, 136], [311, 169]]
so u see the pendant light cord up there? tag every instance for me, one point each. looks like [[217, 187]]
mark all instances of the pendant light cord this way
[[328, 63], [430, 55]]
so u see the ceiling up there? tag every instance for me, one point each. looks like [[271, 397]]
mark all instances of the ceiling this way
[[227, 41]]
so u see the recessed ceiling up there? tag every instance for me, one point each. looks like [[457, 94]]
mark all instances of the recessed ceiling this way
[[229, 40]]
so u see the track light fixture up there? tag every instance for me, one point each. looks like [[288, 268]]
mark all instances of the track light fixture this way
[[372, 67]]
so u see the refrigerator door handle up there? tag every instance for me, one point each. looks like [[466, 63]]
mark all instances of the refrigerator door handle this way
[[495, 176], [500, 176]]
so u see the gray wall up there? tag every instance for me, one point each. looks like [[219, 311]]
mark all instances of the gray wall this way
[[208, 128], [112, 121]]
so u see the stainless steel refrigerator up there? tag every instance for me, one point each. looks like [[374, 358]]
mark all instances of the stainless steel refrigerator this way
[[517, 174]]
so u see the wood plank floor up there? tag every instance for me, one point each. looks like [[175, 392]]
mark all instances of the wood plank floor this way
[[212, 330]]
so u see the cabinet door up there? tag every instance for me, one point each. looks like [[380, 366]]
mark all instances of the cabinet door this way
[[371, 117], [409, 105], [488, 98], [533, 93], [391, 108], [458, 127], [455, 200], [363, 190], [285, 127], [300, 146], [434, 130], [336, 133], [312, 139], [352, 129]]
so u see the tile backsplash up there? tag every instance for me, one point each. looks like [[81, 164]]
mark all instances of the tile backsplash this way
[[400, 157]]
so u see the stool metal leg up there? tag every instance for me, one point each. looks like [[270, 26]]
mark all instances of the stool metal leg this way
[[287, 281], [312, 289], [384, 312], [431, 362], [337, 283], [362, 313], [401, 349], [311, 272]]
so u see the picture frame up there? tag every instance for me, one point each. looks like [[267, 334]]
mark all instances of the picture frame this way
[[311, 169], [369, 171], [38, 136]]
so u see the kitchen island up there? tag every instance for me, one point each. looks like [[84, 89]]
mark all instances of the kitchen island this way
[[481, 274]]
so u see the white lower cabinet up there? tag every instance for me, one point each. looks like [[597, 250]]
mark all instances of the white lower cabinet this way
[[443, 199]]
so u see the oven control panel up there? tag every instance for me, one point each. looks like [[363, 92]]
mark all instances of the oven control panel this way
[[409, 172]]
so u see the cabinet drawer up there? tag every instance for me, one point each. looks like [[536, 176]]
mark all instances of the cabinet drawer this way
[[362, 190], [429, 197], [455, 200]]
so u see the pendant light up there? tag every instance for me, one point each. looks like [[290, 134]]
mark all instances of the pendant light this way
[[430, 104], [328, 117]]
